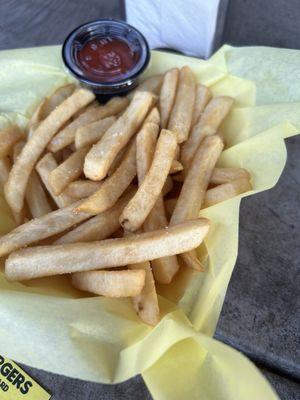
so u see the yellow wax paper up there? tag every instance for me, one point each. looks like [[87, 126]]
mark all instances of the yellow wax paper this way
[[48, 324]]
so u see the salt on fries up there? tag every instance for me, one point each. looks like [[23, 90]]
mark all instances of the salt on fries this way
[[97, 184]]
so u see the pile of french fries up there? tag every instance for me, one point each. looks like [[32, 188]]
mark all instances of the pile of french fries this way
[[111, 194]]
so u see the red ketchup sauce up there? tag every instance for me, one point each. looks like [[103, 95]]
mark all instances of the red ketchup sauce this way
[[106, 59]]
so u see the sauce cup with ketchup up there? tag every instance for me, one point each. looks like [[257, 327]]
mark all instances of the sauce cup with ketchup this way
[[106, 55]]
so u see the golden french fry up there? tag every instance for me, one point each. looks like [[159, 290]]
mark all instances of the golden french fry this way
[[36, 197], [102, 154], [197, 179], [126, 283], [145, 146], [152, 84], [138, 208], [226, 191], [153, 117], [82, 188], [163, 268], [67, 135], [15, 186], [114, 186], [99, 227], [67, 171], [34, 262], [176, 167], [212, 117], [190, 259], [91, 133], [146, 302], [168, 186], [182, 111], [48, 104], [40, 228], [5, 166], [224, 175], [203, 96], [44, 167], [8, 137], [167, 95]]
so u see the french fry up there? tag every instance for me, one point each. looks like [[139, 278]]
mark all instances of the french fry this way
[[40, 228], [8, 137], [152, 84], [145, 146], [190, 259], [226, 191], [203, 96], [153, 117], [197, 179], [15, 186], [102, 154], [82, 188], [48, 104], [34, 262], [67, 171], [176, 167], [44, 167], [182, 111], [5, 166], [177, 153], [67, 135], [99, 227], [126, 283], [117, 161], [163, 268], [167, 95], [138, 208], [212, 117], [114, 186], [168, 186], [91, 133], [36, 197], [225, 175]]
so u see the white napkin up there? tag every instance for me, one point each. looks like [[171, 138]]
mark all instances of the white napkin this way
[[185, 25]]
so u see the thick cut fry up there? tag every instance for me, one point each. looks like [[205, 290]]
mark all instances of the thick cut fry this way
[[176, 167], [190, 259], [36, 197], [167, 95], [203, 96], [215, 112], [226, 191], [5, 166], [48, 104], [40, 228], [182, 111], [137, 210], [67, 171], [194, 187], [44, 167], [127, 283], [82, 188], [41, 261], [163, 268], [224, 175], [91, 133], [114, 186], [102, 154], [99, 227], [153, 117], [67, 135], [145, 146], [8, 137], [15, 187], [146, 302]]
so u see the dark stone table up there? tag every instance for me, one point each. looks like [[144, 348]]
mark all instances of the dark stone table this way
[[260, 316]]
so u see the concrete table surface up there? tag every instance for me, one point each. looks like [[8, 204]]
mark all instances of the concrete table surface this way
[[259, 316]]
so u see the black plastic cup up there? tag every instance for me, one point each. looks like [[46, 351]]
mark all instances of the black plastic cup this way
[[104, 28]]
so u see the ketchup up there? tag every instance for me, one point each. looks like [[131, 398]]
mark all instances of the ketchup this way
[[106, 59]]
